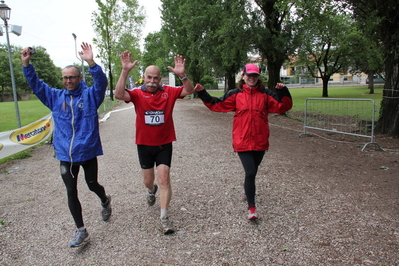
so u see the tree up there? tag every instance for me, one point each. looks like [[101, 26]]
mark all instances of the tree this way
[[45, 68], [209, 34], [118, 27], [383, 19], [5, 74], [41, 60], [184, 22], [273, 34], [227, 38], [368, 54], [156, 52], [327, 38], [368, 57]]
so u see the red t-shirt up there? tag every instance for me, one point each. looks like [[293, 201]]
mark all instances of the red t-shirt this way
[[154, 121]]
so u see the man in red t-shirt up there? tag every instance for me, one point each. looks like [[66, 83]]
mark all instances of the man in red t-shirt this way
[[155, 130]]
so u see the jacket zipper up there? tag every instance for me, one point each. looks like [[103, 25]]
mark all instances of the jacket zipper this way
[[251, 119], [73, 131]]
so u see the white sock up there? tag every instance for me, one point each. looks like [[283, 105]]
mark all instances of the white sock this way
[[164, 213]]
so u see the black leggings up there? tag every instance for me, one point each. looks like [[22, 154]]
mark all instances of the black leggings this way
[[69, 174], [250, 161]]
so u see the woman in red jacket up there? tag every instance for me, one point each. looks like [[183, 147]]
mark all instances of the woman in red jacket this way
[[251, 102]]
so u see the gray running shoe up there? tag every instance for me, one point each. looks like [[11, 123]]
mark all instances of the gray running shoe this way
[[151, 196], [167, 227], [106, 211], [79, 237]]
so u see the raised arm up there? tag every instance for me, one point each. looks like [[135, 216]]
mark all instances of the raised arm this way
[[283, 103], [226, 103], [87, 54], [198, 87], [127, 65], [26, 56], [179, 70]]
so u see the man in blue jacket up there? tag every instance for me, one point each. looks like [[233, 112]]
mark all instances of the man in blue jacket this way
[[76, 130]]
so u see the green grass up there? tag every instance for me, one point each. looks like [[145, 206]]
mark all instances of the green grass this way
[[29, 111], [107, 105], [299, 95]]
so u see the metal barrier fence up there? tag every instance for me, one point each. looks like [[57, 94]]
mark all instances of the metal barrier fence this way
[[107, 105], [354, 117]]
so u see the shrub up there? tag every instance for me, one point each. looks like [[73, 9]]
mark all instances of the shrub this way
[[207, 80]]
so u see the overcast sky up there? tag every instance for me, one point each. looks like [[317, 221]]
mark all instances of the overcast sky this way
[[50, 23]]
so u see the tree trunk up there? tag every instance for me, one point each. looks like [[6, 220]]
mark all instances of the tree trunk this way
[[370, 74], [111, 82], [194, 71], [274, 74], [325, 80], [231, 81], [388, 122]]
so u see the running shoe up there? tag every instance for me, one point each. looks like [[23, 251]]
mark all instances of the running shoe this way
[[79, 237], [252, 213], [167, 227], [151, 196], [106, 211]]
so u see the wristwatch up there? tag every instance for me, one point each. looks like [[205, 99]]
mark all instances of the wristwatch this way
[[183, 78]]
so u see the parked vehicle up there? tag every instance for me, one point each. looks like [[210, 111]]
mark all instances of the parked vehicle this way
[[378, 78]]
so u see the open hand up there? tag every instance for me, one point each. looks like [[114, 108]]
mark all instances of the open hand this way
[[126, 58], [198, 87], [179, 68], [280, 85], [87, 52]]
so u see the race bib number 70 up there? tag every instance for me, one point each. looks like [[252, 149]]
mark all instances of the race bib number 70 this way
[[154, 118]]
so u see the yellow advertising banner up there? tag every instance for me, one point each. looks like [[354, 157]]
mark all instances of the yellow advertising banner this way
[[17, 140]]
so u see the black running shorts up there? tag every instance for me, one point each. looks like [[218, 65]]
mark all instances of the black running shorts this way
[[150, 155]]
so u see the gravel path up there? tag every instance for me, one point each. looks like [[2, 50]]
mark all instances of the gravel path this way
[[320, 202]]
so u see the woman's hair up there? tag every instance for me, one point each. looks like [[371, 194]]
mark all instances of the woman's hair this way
[[260, 84]]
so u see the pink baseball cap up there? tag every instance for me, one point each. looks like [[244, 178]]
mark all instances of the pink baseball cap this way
[[251, 69]]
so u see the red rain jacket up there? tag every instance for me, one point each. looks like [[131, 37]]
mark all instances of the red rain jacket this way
[[251, 107]]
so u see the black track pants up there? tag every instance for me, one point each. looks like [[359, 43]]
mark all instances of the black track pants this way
[[250, 161], [69, 174]]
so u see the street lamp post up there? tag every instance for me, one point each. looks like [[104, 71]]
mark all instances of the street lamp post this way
[[5, 12], [80, 59]]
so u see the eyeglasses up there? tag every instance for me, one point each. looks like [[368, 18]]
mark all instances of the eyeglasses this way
[[70, 77]]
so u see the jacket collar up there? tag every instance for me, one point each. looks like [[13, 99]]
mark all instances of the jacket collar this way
[[143, 88], [76, 92], [245, 87]]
